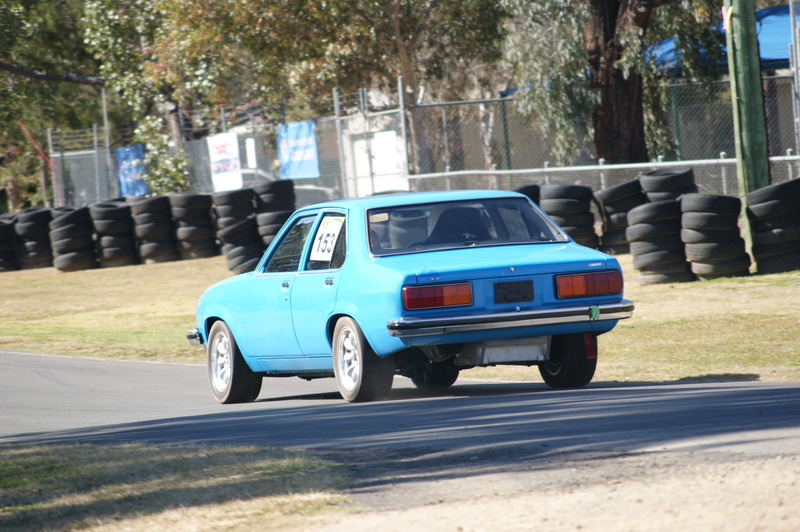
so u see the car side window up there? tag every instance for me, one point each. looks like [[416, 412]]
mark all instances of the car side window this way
[[328, 247], [286, 257]]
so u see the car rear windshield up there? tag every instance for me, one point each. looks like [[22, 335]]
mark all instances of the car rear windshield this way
[[459, 224]]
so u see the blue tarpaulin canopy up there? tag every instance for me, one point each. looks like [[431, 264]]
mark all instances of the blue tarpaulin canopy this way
[[774, 29]]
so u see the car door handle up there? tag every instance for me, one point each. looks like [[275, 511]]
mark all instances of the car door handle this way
[[329, 281], [285, 284]]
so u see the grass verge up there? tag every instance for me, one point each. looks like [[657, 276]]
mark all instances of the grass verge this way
[[145, 487]]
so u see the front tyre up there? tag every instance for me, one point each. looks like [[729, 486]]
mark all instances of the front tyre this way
[[361, 375], [231, 379], [573, 359]]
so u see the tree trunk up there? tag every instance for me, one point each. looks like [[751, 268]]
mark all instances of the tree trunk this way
[[619, 117]]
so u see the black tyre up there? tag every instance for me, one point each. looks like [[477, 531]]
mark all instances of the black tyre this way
[[625, 204], [619, 192], [230, 197], [697, 236], [114, 226], [360, 374], [577, 192], [275, 217], [158, 203], [666, 179], [735, 266], [779, 222], [435, 375], [714, 251], [573, 359], [532, 191], [231, 379], [779, 264], [655, 258], [708, 221], [72, 244], [773, 208], [655, 212], [647, 231], [777, 235], [152, 217], [711, 203], [189, 200], [665, 278], [765, 251], [773, 192], [280, 186], [661, 243], [564, 206]]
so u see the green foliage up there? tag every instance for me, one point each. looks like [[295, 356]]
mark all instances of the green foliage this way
[[167, 170], [547, 42]]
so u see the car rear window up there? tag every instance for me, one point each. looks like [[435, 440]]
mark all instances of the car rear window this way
[[451, 225]]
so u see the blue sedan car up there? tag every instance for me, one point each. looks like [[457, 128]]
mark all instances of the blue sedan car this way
[[421, 285]]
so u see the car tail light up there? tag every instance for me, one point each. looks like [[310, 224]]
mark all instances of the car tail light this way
[[433, 296], [588, 284]]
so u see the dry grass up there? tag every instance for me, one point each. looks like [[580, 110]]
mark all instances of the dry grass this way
[[145, 487]]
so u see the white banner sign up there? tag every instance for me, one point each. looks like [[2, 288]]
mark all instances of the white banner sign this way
[[226, 170]]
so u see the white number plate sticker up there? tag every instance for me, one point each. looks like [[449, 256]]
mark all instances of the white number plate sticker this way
[[327, 235]]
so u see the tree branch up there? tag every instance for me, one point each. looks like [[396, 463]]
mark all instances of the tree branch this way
[[70, 77]]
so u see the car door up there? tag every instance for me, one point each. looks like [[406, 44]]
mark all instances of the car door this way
[[266, 306], [313, 295]]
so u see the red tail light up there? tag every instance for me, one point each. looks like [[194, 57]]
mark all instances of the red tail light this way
[[588, 284], [433, 296]]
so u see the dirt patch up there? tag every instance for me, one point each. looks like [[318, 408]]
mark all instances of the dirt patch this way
[[647, 491]]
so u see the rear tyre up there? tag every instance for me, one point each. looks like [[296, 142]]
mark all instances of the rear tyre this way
[[231, 379], [573, 359], [361, 375]]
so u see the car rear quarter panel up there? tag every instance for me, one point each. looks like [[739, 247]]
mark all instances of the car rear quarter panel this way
[[374, 296]]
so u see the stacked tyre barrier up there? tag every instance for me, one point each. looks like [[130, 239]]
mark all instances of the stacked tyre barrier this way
[[115, 244], [614, 204], [711, 236], [654, 232], [667, 184], [274, 203], [234, 211], [241, 245], [570, 206], [532, 191], [774, 215], [8, 254], [194, 227], [154, 229], [32, 229], [72, 239]]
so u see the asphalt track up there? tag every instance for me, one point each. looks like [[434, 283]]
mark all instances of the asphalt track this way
[[59, 399]]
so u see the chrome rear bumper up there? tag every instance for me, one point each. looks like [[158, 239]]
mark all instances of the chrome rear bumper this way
[[407, 327]]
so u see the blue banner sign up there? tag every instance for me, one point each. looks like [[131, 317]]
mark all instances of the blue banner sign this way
[[297, 150], [131, 170]]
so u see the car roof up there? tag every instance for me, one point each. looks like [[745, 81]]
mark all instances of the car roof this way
[[412, 198]]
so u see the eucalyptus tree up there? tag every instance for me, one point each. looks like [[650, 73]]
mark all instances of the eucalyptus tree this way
[[586, 74]]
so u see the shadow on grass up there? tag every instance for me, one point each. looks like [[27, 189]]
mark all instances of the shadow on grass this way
[[62, 487]]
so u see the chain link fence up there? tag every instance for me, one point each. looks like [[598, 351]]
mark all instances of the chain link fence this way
[[373, 144]]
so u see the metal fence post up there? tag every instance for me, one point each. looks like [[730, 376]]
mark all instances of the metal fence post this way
[[364, 100], [723, 155], [403, 131], [340, 141]]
